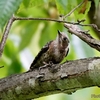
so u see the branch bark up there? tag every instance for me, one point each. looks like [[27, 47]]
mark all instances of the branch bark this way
[[74, 29], [67, 78], [5, 34]]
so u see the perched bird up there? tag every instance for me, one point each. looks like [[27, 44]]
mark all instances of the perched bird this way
[[54, 51]]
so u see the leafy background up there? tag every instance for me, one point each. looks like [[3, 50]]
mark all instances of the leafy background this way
[[26, 38]]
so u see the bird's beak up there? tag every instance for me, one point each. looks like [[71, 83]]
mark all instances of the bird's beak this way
[[59, 33], [59, 36]]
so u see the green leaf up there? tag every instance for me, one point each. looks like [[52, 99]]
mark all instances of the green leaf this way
[[3, 71], [26, 3], [80, 15], [65, 6], [38, 12], [7, 8], [36, 3], [30, 3]]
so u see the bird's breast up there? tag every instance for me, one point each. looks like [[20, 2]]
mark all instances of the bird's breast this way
[[59, 54]]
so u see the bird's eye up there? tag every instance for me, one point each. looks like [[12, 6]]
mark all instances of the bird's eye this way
[[64, 38]]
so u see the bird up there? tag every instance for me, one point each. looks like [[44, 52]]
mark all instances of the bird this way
[[54, 51]]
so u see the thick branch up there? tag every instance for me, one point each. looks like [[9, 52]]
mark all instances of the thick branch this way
[[67, 78]]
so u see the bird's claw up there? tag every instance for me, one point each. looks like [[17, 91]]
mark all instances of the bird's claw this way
[[40, 77], [46, 65], [50, 65]]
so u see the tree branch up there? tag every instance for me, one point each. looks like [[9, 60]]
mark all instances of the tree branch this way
[[67, 78], [5, 35], [74, 29], [43, 19]]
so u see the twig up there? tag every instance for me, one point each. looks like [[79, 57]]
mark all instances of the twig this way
[[73, 9], [5, 35], [45, 19], [57, 20]]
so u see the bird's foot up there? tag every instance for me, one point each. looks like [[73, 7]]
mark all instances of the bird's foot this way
[[46, 65], [50, 65], [40, 77]]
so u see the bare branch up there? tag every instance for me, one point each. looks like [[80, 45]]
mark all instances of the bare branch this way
[[83, 35], [67, 78], [5, 35], [74, 9], [43, 19]]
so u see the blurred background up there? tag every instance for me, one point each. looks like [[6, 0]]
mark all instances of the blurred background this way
[[26, 38]]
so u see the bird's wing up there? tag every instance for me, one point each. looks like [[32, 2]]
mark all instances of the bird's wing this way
[[43, 50]]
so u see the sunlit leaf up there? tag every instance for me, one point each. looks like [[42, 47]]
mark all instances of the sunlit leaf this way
[[3, 71], [30, 3], [65, 6], [34, 12], [26, 3]]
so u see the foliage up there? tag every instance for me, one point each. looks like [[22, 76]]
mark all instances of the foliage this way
[[7, 8], [27, 37]]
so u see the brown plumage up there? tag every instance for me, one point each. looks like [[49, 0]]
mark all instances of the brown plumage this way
[[54, 51]]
